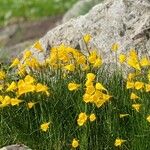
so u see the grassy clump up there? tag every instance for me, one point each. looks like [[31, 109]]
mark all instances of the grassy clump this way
[[65, 90]]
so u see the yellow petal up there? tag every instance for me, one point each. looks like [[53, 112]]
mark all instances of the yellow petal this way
[[92, 117], [87, 38], [15, 101], [129, 85], [138, 85], [82, 118], [122, 58], [136, 107], [38, 46], [15, 63], [145, 62], [2, 74], [30, 104], [99, 86], [41, 88], [115, 47], [90, 76], [123, 115], [147, 87], [70, 67], [44, 127], [29, 80], [27, 54], [12, 87], [133, 96], [75, 143], [119, 142], [73, 86], [148, 118], [97, 63]]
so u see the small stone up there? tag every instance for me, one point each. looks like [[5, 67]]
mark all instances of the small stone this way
[[16, 147]]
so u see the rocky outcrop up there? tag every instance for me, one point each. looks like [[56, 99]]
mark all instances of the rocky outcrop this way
[[126, 22], [80, 8]]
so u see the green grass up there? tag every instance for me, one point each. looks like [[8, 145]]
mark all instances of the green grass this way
[[20, 125], [12, 10], [62, 107]]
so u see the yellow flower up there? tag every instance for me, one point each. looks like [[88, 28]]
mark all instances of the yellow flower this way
[[12, 87], [129, 85], [24, 87], [90, 89], [87, 98], [75, 143], [31, 104], [134, 63], [144, 62], [89, 83], [33, 63], [106, 97], [147, 87], [73, 86], [1, 98], [27, 54], [29, 80], [115, 47], [133, 53], [92, 117], [44, 127], [122, 58], [133, 60], [70, 67], [99, 86], [38, 46], [2, 75], [87, 38], [99, 98], [136, 107], [119, 142], [92, 57], [123, 115], [148, 118], [81, 60], [15, 101], [41, 88], [21, 70], [82, 118], [138, 85], [99, 102], [85, 67], [97, 63], [133, 96], [90, 76], [130, 76], [15, 63], [5, 101]]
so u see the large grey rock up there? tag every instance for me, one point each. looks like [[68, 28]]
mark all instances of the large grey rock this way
[[80, 8], [124, 21]]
